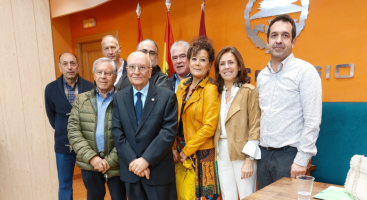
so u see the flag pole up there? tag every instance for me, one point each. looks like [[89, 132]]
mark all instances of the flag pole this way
[[202, 29], [140, 31], [167, 66]]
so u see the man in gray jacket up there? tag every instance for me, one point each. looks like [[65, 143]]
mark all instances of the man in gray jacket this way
[[89, 133]]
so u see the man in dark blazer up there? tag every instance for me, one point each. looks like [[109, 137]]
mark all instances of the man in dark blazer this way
[[144, 126], [59, 97]]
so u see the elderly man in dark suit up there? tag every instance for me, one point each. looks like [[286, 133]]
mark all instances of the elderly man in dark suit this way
[[144, 126]]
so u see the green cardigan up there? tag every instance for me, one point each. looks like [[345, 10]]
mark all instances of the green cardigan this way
[[81, 133]]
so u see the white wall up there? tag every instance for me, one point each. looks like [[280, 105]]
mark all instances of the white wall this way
[[65, 7]]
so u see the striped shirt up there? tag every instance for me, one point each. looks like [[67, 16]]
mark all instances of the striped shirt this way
[[71, 92], [291, 103]]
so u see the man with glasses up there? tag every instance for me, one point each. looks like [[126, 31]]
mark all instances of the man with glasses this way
[[180, 63], [157, 78], [144, 137], [111, 49], [59, 98], [89, 133]]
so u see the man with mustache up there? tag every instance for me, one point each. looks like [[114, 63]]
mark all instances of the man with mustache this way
[[290, 99], [59, 98]]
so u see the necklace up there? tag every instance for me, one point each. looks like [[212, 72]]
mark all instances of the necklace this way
[[228, 92]]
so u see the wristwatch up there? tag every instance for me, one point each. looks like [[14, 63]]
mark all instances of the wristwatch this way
[[250, 157]]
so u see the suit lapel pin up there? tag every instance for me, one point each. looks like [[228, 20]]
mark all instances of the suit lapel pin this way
[[153, 99]]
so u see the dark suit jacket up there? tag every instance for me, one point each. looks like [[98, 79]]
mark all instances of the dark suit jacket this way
[[58, 108], [158, 78], [152, 139]]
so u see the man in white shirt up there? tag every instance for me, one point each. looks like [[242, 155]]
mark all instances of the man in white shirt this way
[[111, 49], [290, 99]]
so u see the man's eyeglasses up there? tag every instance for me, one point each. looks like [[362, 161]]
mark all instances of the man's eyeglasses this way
[[99, 73], [151, 53], [140, 68]]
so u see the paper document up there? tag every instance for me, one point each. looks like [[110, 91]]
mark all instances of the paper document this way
[[333, 193]]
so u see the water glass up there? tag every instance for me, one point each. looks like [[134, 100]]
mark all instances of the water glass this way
[[304, 185]]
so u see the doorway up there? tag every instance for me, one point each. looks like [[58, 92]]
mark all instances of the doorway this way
[[88, 49]]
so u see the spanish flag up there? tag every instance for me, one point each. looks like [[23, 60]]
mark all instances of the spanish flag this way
[[167, 66]]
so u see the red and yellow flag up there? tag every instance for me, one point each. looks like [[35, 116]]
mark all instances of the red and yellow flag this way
[[167, 66]]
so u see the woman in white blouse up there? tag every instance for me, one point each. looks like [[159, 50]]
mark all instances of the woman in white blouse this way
[[238, 131]]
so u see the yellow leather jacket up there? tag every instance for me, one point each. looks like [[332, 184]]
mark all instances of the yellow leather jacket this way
[[200, 116]]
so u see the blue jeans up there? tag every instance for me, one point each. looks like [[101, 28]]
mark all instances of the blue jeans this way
[[274, 165], [65, 170]]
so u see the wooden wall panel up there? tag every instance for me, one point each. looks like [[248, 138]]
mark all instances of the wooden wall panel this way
[[47, 68], [27, 161], [12, 108]]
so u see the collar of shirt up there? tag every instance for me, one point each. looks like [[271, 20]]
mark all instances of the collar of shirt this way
[[121, 67], [68, 86], [234, 91], [119, 72], [285, 63], [144, 94], [177, 81], [109, 94]]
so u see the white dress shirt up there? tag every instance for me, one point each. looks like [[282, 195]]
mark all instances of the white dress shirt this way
[[144, 93], [119, 72], [291, 105], [252, 146]]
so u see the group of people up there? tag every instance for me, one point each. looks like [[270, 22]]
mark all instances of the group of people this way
[[134, 124]]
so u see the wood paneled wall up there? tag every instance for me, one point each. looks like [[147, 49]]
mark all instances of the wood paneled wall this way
[[27, 158]]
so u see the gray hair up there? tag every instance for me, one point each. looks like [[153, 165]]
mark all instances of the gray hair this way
[[105, 60], [148, 40], [180, 43], [110, 36]]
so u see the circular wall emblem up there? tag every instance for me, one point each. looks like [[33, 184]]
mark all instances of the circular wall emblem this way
[[269, 8]]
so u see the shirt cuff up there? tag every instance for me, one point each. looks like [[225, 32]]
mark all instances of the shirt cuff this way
[[302, 158], [252, 149]]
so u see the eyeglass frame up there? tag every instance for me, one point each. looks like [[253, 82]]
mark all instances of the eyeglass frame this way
[[103, 72], [140, 68], [151, 53]]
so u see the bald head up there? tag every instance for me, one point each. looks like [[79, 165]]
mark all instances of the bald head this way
[[110, 37], [139, 69], [111, 48]]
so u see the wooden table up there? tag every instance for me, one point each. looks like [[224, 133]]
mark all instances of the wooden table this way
[[286, 189]]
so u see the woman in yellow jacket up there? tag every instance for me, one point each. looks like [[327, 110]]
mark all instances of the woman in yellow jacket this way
[[238, 131], [198, 106]]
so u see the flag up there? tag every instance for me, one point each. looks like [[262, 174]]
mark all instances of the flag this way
[[167, 67], [140, 32], [202, 31]]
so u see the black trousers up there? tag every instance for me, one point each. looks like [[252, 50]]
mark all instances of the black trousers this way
[[94, 182], [143, 191], [274, 165]]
